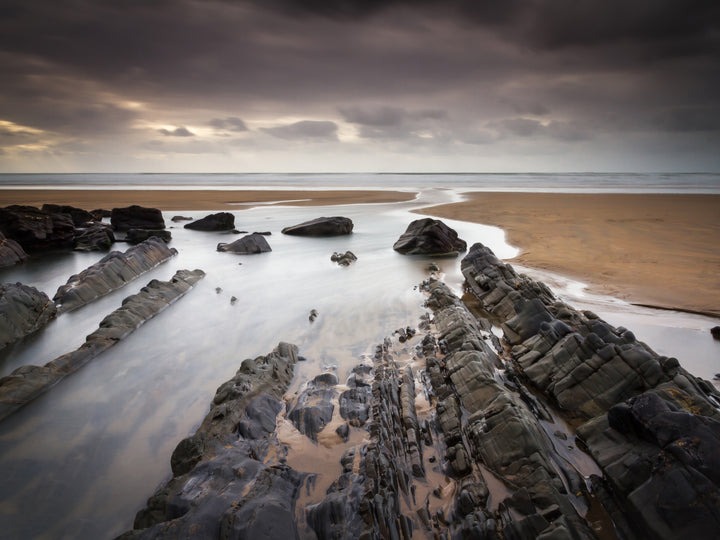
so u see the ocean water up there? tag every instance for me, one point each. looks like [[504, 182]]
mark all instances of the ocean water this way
[[79, 461]]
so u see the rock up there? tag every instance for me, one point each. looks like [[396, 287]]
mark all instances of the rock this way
[[23, 310], [343, 259], [264, 233], [27, 382], [343, 432], [715, 331], [11, 253], [247, 245], [429, 237], [136, 217], [313, 315], [98, 237], [355, 405], [432, 267], [79, 216], [110, 273], [323, 226], [233, 299], [35, 230], [222, 221], [180, 218], [135, 236], [100, 213], [312, 410]]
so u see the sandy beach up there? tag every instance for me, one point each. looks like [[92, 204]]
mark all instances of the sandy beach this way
[[179, 199], [652, 249]]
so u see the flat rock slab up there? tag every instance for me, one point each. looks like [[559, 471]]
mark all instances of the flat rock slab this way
[[322, 226], [136, 217], [23, 310], [110, 273], [429, 236], [28, 382], [222, 221], [247, 245]]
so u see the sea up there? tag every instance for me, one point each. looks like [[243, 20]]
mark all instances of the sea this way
[[82, 459]]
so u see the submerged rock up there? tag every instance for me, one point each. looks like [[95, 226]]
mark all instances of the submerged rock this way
[[715, 331], [35, 230], [343, 259], [23, 310], [98, 237], [181, 218], [323, 226], [11, 253], [222, 221], [136, 217], [429, 236], [135, 236], [110, 273], [27, 382], [247, 245]]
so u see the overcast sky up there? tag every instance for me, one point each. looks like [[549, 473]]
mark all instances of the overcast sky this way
[[359, 85]]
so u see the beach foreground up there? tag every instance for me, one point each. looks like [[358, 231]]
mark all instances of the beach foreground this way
[[652, 249]]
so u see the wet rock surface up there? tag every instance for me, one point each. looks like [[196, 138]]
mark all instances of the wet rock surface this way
[[11, 253], [79, 216], [222, 221], [323, 226], [136, 217], [135, 236], [429, 236], [97, 237], [229, 479], [250, 244], [28, 382], [23, 310], [313, 409], [343, 259], [35, 230], [110, 273]]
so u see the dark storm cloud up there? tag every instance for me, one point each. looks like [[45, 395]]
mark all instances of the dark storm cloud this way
[[312, 130], [181, 131], [689, 119], [231, 123]]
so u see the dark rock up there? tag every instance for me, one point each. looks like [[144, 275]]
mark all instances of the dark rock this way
[[312, 410], [247, 245], [35, 230], [313, 315], [79, 216], [28, 382], [264, 233], [135, 236], [11, 253], [100, 213], [355, 405], [233, 300], [343, 259], [715, 331], [222, 221], [343, 432], [98, 237], [136, 217], [110, 273], [432, 267], [23, 310], [180, 218], [323, 226], [259, 418], [429, 236]]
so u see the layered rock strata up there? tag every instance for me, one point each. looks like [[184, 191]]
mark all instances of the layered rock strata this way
[[650, 425], [110, 273], [28, 382], [23, 310], [429, 236], [35, 230], [11, 253], [229, 479], [97, 237]]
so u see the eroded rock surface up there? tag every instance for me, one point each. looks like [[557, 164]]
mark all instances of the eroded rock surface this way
[[11, 253], [429, 236], [97, 237], [27, 382], [135, 236], [35, 230], [79, 216], [247, 245], [222, 221], [23, 310], [312, 410], [343, 259], [323, 226], [111, 272], [136, 217]]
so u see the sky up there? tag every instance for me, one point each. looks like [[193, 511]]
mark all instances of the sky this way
[[359, 85]]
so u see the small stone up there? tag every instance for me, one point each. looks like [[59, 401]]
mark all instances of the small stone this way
[[233, 300], [715, 331], [218, 290], [313, 315]]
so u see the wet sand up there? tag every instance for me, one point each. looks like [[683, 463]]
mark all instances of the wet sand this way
[[651, 249], [176, 200]]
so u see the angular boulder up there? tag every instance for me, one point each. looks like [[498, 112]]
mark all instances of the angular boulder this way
[[36, 230], [344, 259], [312, 410], [429, 236], [322, 226], [222, 221], [247, 245], [98, 237], [135, 236], [11, 253], [23, 310], [79, 216], [136, 217]]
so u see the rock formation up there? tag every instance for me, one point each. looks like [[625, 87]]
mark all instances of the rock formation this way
[[323, 226], [28, 382], [136, 217], [11, 253], [35, 230], [429, 236], [135, 236], [23, 310], [312, 410], [79, 216], [247, 245], [222, 221], [181, 218], [343, 259], [110, 273], [97, 237]]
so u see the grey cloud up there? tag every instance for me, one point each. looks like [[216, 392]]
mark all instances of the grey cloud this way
[[529, 107], [386, 122], [181, 131], [231, 123], [688, 119], [522, 127], [375, 116], [305, 130]]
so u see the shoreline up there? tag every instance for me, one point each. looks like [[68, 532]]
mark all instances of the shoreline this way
[[656, 250]]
